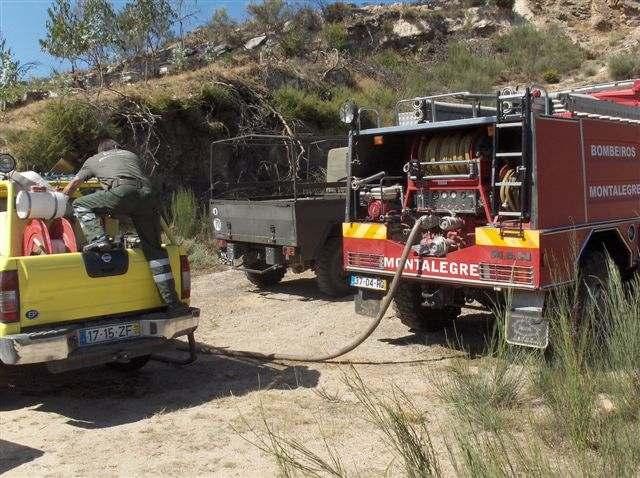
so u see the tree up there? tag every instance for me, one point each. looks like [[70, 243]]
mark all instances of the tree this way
[[143, 27], [270, 15], [183, 11], [11, 73], [63, 25], [97, 33], [82, 30], [223, 28]]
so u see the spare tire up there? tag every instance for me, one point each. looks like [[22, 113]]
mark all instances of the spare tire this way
[[267, 279]]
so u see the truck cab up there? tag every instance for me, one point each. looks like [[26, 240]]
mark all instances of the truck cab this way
[[69, 309]]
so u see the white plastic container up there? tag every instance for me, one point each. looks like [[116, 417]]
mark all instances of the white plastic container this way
[[26, 179], [40, 205]]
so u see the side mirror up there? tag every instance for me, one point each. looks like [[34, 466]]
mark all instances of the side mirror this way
[[7, 163]]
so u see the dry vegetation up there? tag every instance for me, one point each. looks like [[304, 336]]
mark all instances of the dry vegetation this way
[[572, 411]]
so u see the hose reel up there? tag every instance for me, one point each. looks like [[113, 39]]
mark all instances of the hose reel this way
[[509, 194], [454, 147], [40, 239]]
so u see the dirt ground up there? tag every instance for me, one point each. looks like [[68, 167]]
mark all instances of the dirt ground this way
[[199, 420]]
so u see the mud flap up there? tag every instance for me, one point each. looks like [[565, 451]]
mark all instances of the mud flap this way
[[526, 325], [367, 302]]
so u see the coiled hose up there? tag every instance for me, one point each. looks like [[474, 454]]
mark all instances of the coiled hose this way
[[509, 195], [386, 301], [456, 147]]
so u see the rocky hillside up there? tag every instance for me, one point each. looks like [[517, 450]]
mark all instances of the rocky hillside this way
[[288, 70]]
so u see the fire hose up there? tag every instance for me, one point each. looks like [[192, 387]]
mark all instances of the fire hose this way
[[386, 302], [509, 194]]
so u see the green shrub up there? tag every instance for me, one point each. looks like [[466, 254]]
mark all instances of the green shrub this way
[[306, 106], [162, 101], [590, 70], [69, 129], [185, 217], [615, 37], [221, 96], [293, 42], [391, 60], [528, 52], [464, 69], [190, 224], [624, 65], [335, 34], [203, 255], [551, 76]]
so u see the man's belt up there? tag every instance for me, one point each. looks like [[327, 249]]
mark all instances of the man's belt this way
[[126, 182]]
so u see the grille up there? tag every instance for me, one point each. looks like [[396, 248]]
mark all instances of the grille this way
[[359, 259], [506, 273]]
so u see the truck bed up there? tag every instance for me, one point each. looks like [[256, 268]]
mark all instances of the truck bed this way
[[299, 222]]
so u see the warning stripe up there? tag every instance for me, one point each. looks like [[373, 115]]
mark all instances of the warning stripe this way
[[360, 230], [490, 236]]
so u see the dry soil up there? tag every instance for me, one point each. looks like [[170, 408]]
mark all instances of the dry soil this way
[[200, 420]]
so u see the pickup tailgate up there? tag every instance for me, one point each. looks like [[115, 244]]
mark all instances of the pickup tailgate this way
[[60, 287], [259, 222]]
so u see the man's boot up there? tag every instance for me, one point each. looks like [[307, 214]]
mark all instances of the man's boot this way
[[101, 244]]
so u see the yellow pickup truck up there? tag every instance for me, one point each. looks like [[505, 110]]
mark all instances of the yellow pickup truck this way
[[71, 309]]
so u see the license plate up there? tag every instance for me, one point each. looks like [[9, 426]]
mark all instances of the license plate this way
[[108, 333], [369, 282]]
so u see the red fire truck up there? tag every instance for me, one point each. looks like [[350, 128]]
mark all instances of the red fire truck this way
[[514, 191]]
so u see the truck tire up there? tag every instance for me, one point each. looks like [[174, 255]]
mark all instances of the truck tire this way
[[407, 304], [267, 279], [332, 278], [594, 274], [133, 365]]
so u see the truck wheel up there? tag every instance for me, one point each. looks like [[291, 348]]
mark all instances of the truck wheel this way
[[133, 365], [267, 279], [332, 278], [594, 274], [407, 304]]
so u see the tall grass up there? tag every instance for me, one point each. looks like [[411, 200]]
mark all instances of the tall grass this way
[[624, 65], [572, 412], [185, 213], [591, 383], [191, 224], [403, 427], [291, 456]]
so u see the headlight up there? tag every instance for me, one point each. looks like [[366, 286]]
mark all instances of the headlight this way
[[7, 163], [348, 112], [217, 224]]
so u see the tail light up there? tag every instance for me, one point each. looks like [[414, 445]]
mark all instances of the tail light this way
[[221, 244], [185, 278], [9, 297]]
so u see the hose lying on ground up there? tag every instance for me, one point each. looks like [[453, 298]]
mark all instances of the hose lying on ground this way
[[386, 301]]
